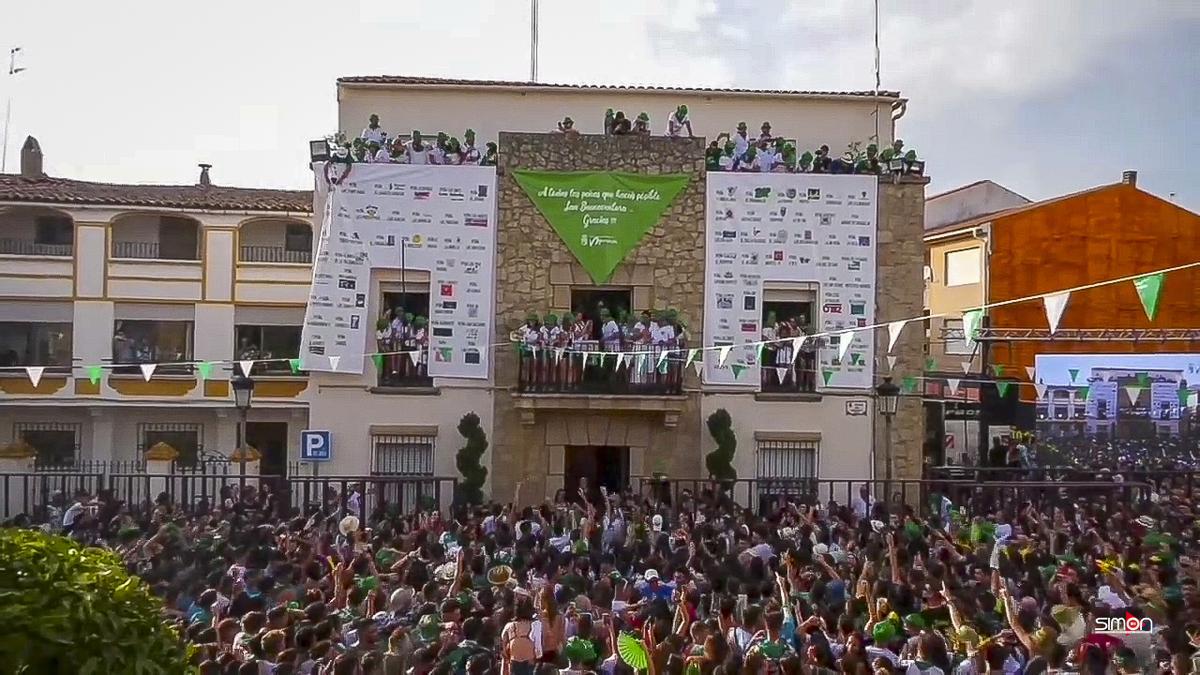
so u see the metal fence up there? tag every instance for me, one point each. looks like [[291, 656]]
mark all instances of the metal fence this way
[[635, 371], [273, 254], [29, 247], [1159, 479]]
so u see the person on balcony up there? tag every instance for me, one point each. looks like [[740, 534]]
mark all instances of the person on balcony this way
[[420, 340], [678, 122], [453, 153], [417, 151], [437, 154], [741, 141], [765, 158], [610, 332], [377, 153], [641, 126], [770, 350], [621, 124], [567, 128], [470, 154], [373, 132], [765, 133]]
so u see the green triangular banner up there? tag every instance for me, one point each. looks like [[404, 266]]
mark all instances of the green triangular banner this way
[[759, 352], [378, 359], [1074, 373], [205, 369], [826, 375], [971, 322], [662, 367], [94, 373], [737, 370], [999, 370], [294, 364], [1183, 397], [1149, 289], [929, 363], [1085, 392], [600, 215], [1002, 387], [691, 357], [1143, 379], [909, 384]]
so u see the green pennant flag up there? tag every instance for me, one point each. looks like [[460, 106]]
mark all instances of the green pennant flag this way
[[294, 364], [759, 352], [1149, 288], [1074, 374], [691, 357], [909, 384], [1002, 387], [1183, 397], [929, 363], [971, 322], [826, 375], [662, 367], [378, 359], [205, 368], [1085, 392], [999, 370], [737, 370], [1143, 379], [600, 215], [94, 373]]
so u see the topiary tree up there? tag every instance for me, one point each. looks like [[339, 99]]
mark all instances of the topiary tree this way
[[474, 473], [68, 608], [719, 462]]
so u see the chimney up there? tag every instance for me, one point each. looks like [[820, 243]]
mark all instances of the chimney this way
[[1129, 178], [31, 159], [205, 181]]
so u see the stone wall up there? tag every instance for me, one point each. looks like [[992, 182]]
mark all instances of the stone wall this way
[[900, 285], [536, 272]]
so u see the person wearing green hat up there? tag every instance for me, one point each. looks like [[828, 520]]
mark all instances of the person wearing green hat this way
[[913, 625], [579, 652], [491, 155], [729, 159], [470, 154], [621, 125], [641, 125], [678, 121], [712, 157], [452, 155]]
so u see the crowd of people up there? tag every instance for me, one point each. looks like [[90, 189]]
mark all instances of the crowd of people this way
[[617, 583], [376, 146]]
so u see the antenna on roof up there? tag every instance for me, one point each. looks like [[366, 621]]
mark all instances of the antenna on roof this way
[[533, 39]]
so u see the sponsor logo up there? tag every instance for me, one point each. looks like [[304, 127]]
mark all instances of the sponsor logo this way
[[777, 255], [354, 319], [443, 355], [1124, 625], [421, 195], [749, 327], [471, 267], [858, 308], [482, 191], [749, 302], [443, 332], [832, 308], [471, 356], [347, 284], [472, 311], [791, 193], [475, 221], [724, 301], [814, 193], [360, 299], [597, 240], [449, 305], [446, 290], [762, 192], [864, 241], [853, 265], [370, 212], [825, 219]]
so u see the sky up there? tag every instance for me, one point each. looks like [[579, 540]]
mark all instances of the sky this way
[[1043, 97]]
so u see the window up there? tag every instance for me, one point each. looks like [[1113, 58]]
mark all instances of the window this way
[[268, 342], [589, 302], [188, 439], [403, 326], [54, 231], [787, 459], [161, 342], [963, 267], [56, 444], [35, 344], [298, 238], [398, 455], [955, 339]]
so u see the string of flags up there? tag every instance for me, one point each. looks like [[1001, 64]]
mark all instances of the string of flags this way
[[1149, 287]]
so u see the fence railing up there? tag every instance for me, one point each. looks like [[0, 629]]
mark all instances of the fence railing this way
[[545, 371], [783, 374], [273, 254], [398, 370], [29, 247], [1159, 478], [149, 250]]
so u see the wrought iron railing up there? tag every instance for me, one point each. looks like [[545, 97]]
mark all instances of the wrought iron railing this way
[[28, 247], [273, 254], [640, 371], [148, 250]]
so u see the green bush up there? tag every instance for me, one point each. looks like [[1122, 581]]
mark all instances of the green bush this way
[[719, 462], [66, 608], [474, 473]]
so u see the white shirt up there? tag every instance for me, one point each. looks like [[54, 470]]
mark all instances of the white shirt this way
[[531, 335], [437, 155], [377, 134], [727, 162], [471, 155], [862, 509], [675, 126], [611, 333], [381, 156], [740, 145], [417, 156], [765, 160]]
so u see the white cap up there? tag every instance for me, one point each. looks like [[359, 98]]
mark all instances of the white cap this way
[[657, 522], [651, 575]]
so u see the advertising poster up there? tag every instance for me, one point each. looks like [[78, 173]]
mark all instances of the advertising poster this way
[[1159, 387], [814, 228], [445, 216]]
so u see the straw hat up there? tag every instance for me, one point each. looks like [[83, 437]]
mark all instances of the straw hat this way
[[349, 524], [499, 575]]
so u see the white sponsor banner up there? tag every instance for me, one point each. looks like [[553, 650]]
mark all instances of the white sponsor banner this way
[[791, 228], [446, 218], [1110, 377]]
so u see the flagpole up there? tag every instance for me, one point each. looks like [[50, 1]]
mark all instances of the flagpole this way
[[533, 40], [875, 94]]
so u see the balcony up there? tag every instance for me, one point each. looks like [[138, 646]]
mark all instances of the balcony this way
[[780, 375], [154, 237], [275, 240], [274, 254], [31, 247], [398, 372], [544, 373], [36, 231]]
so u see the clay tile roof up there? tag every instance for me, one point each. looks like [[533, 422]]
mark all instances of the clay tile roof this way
[[51, 190], [405, 80]]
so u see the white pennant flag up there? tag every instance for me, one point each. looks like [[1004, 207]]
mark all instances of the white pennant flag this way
[[334, 361], [797, 343], [35, 374], [894, 329], [1133, 391], [699, 365], [558, 355], [952, 383], [415, 357], [246, 366], [641, 362], [891, 363], [966, 366], [1041, 390], [1030, 371], [621, 360], [844, 340], [662, 357], [148, 370], [1055, 304], [781, 373], [723, 354]]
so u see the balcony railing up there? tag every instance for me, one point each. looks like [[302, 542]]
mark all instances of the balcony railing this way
[[133, 367], [146, 250], [543, 372], [398, 370], [27, 247], [798, 376], [273, 254]]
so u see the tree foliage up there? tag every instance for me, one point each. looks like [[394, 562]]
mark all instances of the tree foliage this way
[[468, 460], [719, 462], [67, 608]]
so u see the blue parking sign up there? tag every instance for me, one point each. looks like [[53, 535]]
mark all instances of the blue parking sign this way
[[316, 446]]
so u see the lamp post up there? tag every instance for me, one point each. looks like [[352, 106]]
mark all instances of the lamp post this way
[[243, 392], [887, 400], [13, 69]]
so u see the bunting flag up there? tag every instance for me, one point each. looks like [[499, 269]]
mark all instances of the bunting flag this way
[[94, 374], [662, 360], [691, 357], [966, 367], [699, 366], [558, 352], [1149, 288], [971, 321], [781, 373], [1084, 393], [909, 384], [662, 366], [797, 343], [415, 357], [894, 329], [334, 361], [737, 370], [378, 359], [246, 367], [1002, 387], [294, 364], [1133, 392], [205, 369], [1041, 390], [1074, 374], [952, 384], [1030, 371], [845, 339], [722, 355], [641, 362], [1143, 379], [891, 363], [35, 374], [148, 370], [621, 359], [1183, 397], [758, 352], [826, 375], [998, 369], [929, 363], [1055, 303]]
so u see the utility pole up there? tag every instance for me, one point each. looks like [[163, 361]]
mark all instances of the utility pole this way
[[533, 40], [12, 70]]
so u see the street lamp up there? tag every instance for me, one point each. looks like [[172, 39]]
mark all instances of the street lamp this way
[[318, 150], [887, 400], [243, 392]]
